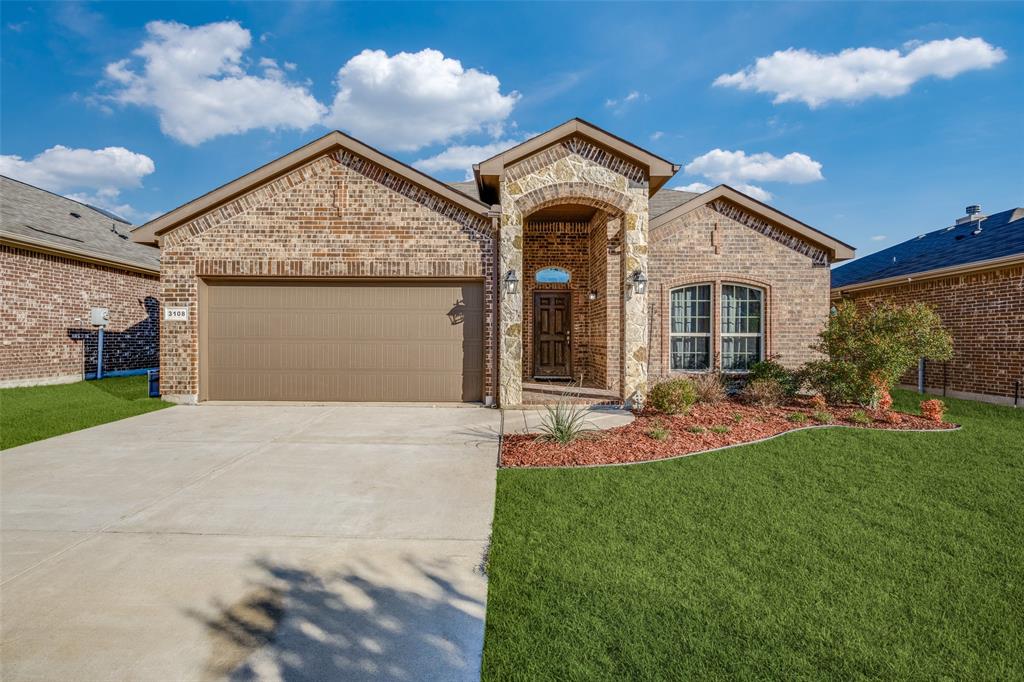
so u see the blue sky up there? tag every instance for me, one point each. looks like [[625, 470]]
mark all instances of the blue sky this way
[[873, 122]]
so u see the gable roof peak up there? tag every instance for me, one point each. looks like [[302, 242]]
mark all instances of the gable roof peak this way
[[488, 173]]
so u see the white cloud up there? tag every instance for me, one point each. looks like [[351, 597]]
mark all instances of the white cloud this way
[[758, 193], [92, 176], [620, 105], [657, 135], [698, 187], [879, 238], [856, 74], [410, 100], [734, 167], [738, 169], [633, 96], [196, 80], [462, 157]]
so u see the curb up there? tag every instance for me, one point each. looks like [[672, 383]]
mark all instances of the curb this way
[[956, 427]]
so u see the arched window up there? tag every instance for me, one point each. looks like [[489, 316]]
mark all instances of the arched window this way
[[690, 331], [742, 327], [552, 275]]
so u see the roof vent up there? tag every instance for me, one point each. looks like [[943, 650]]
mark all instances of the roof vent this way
[[75, 215], [973, 213]]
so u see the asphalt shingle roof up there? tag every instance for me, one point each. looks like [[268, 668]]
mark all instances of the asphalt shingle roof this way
[[1000, 235], [50, 219], [662, 202]]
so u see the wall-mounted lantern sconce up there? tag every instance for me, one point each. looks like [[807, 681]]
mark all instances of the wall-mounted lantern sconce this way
[[639, 280], [511, 282], [592, 295]]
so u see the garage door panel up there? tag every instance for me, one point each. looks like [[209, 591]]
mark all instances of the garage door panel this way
[[355, 342]]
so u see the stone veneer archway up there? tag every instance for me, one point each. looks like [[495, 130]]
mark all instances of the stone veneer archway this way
[[567, 173]]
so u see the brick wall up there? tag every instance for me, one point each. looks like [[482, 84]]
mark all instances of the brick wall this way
[[984, 312], [707, 246], [47, 336], [338, 216], [596, 369]]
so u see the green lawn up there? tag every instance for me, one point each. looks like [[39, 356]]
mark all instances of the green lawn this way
[[30, 414], [825, 554]]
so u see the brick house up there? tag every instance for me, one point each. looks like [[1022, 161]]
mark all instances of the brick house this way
[[339, 273], [972, 274], [59, 259]]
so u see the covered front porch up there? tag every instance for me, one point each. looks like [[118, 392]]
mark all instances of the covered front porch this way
[[573, 288]]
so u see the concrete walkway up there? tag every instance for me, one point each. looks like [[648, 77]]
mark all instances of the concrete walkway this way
[[250, 542]]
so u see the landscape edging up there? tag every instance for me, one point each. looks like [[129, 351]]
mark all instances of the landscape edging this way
[[956, 427]]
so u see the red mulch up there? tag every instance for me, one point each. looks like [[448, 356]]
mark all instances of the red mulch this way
[[631, 443]]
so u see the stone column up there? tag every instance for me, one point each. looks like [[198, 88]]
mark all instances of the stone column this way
[[511, 310], [635, 306]]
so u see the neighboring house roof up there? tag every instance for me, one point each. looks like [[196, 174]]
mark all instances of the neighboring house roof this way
[[148, 233], [837, 250], [489, 172], [970, 245], [43, 221]]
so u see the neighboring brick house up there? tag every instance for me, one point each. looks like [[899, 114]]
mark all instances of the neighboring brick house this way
[[338, 273], [59, 259], [972, 274]]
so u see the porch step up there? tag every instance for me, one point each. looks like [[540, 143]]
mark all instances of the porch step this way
[[542, 393]]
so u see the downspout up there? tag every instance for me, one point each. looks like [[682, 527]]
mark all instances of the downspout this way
[[920, 375], [99, 354]]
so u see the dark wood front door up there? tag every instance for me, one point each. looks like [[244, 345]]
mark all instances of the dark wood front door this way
[[552, 322]]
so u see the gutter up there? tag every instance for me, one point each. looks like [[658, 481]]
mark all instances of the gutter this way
[[86, 255], [976, 266]]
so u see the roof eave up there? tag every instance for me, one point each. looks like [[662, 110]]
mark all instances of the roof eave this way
[[975, 266], [87, 255]]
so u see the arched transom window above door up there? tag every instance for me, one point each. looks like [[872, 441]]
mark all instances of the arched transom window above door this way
[[552, 275]]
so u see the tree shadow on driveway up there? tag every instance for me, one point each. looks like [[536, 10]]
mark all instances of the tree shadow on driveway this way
[[299, 624]]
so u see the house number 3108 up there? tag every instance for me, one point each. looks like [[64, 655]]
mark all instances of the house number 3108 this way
[[176, 314]]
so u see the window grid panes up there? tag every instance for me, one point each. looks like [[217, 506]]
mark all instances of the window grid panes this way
[[690, 328], [742, 327]]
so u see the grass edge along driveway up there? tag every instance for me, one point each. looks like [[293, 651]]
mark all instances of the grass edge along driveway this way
[[37, 412], [823, 554]]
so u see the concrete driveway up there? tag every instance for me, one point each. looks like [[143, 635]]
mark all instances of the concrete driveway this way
[[250, 542]]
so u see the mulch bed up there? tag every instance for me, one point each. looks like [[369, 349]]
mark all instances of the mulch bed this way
[[632, 443]]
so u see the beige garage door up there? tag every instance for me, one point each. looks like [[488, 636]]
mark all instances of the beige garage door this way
[[345, 342]]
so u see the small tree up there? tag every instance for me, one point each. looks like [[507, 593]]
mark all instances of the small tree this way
[[868, 349]]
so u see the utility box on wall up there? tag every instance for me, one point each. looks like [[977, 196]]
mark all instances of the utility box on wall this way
[[100, 317]]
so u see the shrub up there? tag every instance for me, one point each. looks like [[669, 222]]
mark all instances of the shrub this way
[[822, 417], [790, 381], [868, 349], [933, 410], [657, 431], [674, 396], [565, 421], [818, 402], [695, 429], [720, 429], [882, 399], [709, 387], [765, 392], [797, 418], [860, 417], [894, 418]]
